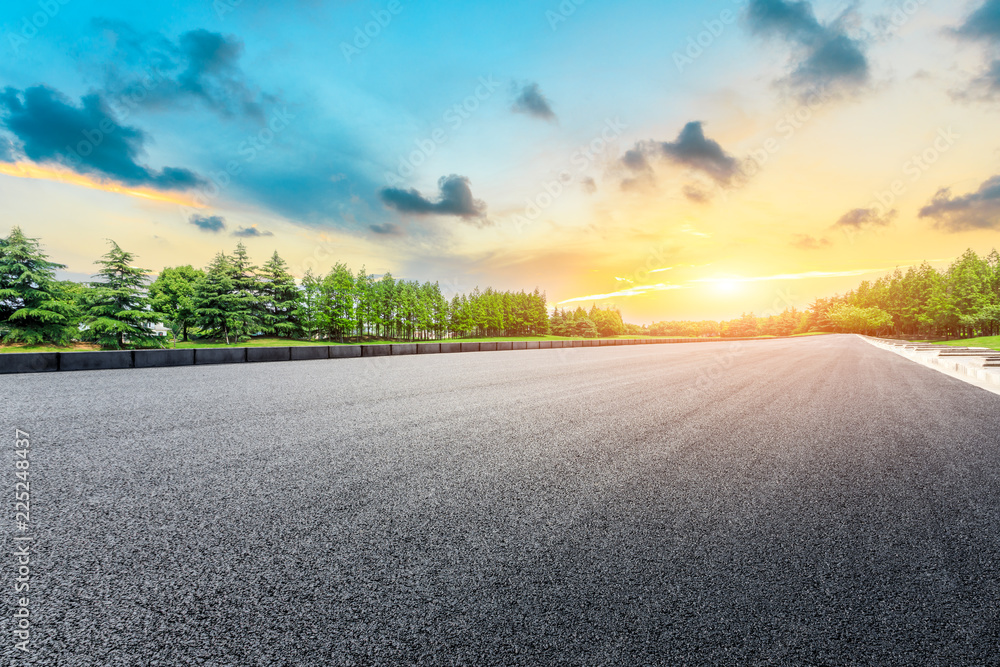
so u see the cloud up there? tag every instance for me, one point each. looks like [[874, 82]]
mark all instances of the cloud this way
[[6, 149], [982, 24], [826, 57], [531, 101], [975, 210], [87, 138], [386, 229], [635, 160], [807, 242], [589, 186], [200, 67], [456, 199], [208, 223], [695, 194], [692, 149], [865, 217], [251, 232]]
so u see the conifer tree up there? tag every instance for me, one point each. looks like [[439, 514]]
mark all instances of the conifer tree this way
[[279, 299], [119, 313], [34, 307]]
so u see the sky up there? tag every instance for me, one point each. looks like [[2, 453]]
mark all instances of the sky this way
[[676, 160]]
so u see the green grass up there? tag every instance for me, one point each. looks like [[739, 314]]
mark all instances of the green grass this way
[[992, 342]]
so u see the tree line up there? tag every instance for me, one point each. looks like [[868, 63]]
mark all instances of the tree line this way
[[232, 299]]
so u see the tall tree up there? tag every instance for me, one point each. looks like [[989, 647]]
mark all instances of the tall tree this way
[[119, 313], [35, 308], [172, 294], [279, 299], [215, 300]]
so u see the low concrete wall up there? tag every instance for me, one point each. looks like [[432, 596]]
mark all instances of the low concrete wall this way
[[95, 361], [346, 351], [448, 348], [488, 347], [29, 362], [376, 350], [403, 348], [220, 355], [531, 345], [577, 343], [544, 345], [306, 352], [429, 348], [470, 347], [269, 354], [508, 345], [519, 345], [163, 358]]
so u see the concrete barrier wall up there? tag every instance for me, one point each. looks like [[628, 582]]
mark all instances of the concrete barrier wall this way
[[29, 362], [163, 358], [269, 354], [220, 355], [95, 361], [307, 352], [40, 362]]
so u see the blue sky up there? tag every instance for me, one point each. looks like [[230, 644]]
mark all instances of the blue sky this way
[[516, 144]]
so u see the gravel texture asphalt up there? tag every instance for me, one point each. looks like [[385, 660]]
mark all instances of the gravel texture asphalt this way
[[786, 502]]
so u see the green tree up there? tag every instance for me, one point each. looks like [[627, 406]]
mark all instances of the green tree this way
[[172, 294], [279, 298], [215, 300], [34, 306], [119, 313]]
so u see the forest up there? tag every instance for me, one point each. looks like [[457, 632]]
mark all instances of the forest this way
[[232, 300]]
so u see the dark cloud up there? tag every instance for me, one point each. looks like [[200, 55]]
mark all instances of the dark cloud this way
[[982, 24], [975, 210], [251, 232], [807, 242], [200, 67], [826, 56], [456, 199], [386, 229], [695, 194], [208, 223], [692, 149], [865, 217], [531, 101], [6, 149], [589, 186], [88, 138], [635, 160]]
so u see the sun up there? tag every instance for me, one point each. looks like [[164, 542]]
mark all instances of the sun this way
[[727, 285]]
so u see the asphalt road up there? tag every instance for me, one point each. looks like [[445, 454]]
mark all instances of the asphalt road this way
[[787, 502]]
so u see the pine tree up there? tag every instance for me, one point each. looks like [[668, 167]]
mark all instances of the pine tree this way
[[33, 306], [307, 312], [119, 313], [215, 301], [247, 314], [280, 299]]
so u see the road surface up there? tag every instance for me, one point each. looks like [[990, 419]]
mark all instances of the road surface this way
[[805, 501]]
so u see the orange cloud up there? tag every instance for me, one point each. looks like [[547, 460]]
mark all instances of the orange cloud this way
[[30, 170]]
